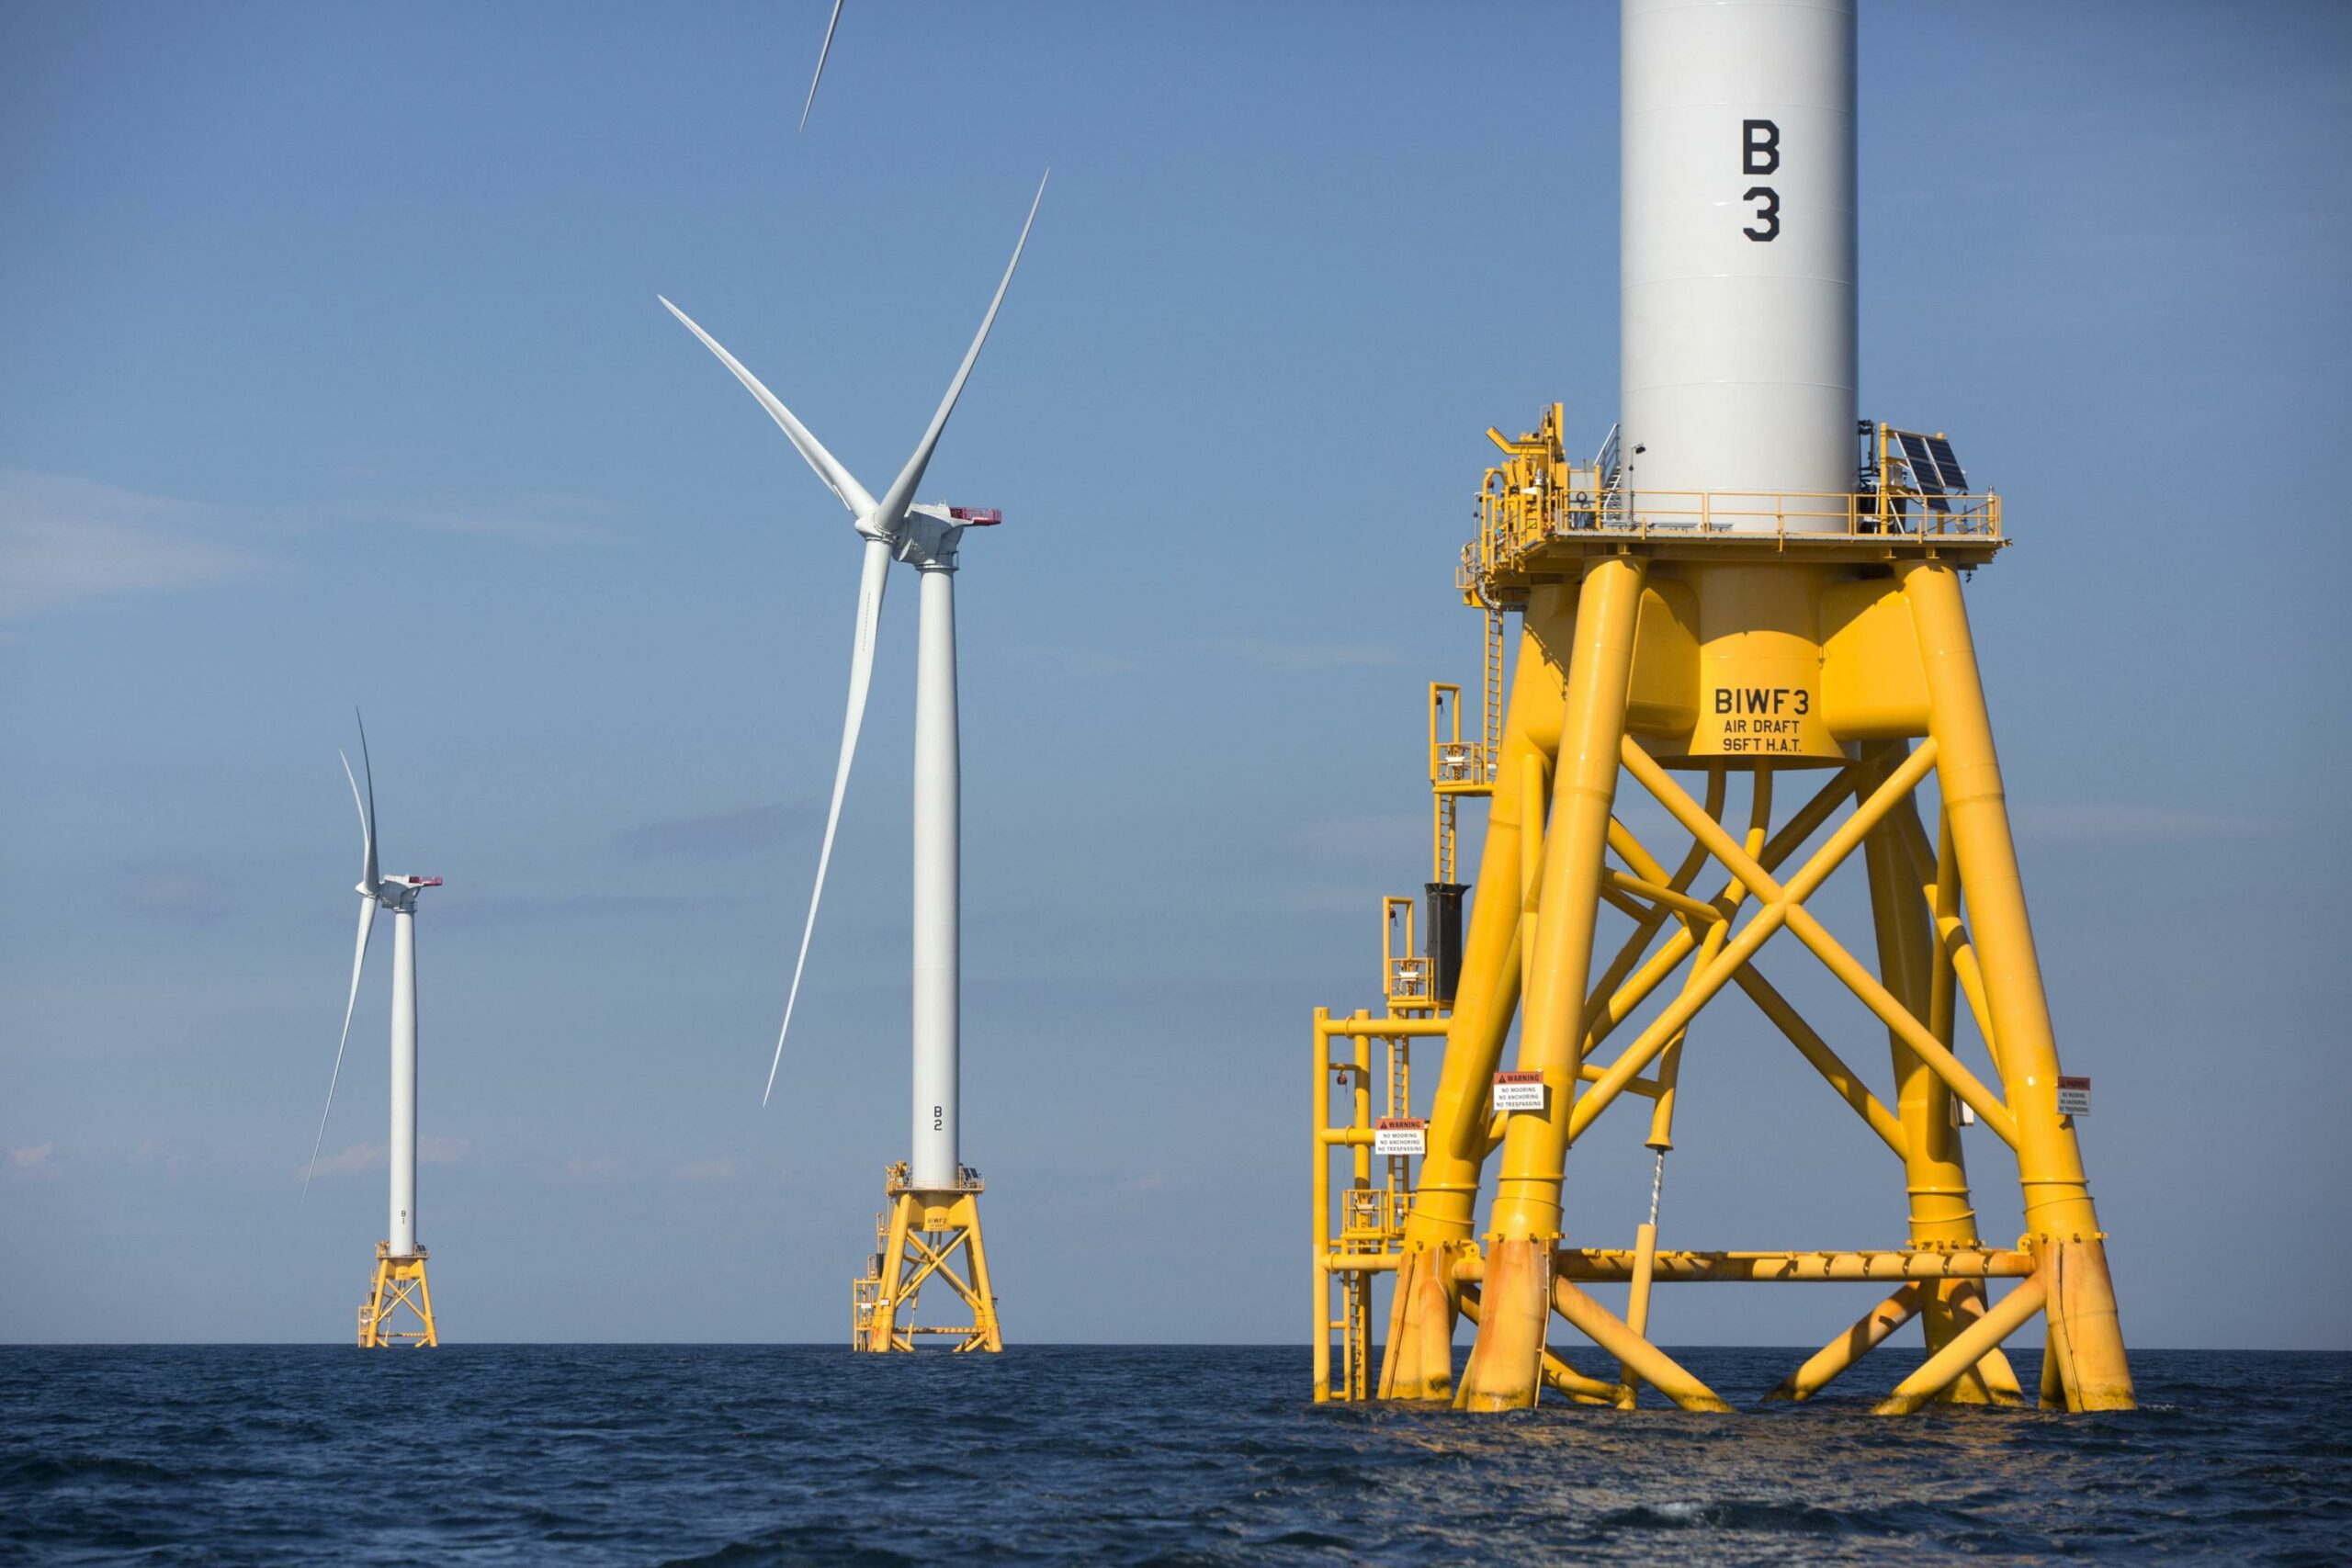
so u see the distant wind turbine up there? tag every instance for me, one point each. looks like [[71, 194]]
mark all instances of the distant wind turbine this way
[[399, 1262], [934, 1197], [926, 536]]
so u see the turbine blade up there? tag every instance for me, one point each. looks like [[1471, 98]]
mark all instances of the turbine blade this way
[[821, 64], [368, 877], [874, 576], [902, 489], [838, 479], [358, 961]]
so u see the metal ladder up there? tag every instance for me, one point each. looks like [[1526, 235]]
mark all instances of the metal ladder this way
[[1491, 715], [1607, 463]]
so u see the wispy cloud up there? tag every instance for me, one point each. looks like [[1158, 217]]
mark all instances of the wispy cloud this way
[[358, 1157], [173, 1154], [2130, 823], [1069, 659], [64, 540], [32, 1156], [725, 1169], [713, 833], [594, 1167], [374, 1156], [549, 518]]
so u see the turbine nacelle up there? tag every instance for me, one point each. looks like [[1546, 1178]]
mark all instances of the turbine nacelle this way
[[399, 893], [928, 539]]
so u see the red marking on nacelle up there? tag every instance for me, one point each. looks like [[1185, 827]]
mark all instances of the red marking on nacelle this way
[[976, 517]]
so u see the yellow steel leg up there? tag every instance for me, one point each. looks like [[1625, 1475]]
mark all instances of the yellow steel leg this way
[[1956, 1303], [2062, 1224], [424, 1303], [882, 1329], [1938, 870], [1420, 1361], [1504, 1365], [1536, 802], [1558, 1374], [1934, 1166], [990, 1336]]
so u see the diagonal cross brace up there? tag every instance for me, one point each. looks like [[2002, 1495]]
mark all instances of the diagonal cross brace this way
[[1778, 907], [1809, 1044], [934, 1261], [1786, 906], [1607, 1007]]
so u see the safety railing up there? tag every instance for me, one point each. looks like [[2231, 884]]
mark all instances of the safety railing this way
[[1807, 513], [1510, 525], [1460, 762], [1409, 981], [1372, 1218], [1456, 764]]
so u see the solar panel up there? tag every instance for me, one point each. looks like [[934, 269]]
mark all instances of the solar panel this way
[[1922, 464], [1940, 449]]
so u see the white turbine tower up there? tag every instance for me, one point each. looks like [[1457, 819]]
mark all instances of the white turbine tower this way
[[933, 1196], [399, 1262]]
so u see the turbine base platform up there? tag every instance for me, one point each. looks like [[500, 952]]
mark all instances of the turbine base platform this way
[[399, 1285], [1787, 688], [915, 1241]]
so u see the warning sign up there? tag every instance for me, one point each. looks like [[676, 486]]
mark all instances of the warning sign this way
[[1400, 1135], [2074, 1097], [1519, 1091]]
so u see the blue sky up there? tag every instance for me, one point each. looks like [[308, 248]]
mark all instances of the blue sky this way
[[334, 375]]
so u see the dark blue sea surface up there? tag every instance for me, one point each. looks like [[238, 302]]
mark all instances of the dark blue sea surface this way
[[745, 1454]]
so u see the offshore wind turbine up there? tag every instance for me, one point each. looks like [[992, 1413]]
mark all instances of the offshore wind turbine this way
[[399, 1262], [933, 1196]]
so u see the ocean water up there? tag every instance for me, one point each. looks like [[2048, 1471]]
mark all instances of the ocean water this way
[[1170, 1455]]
